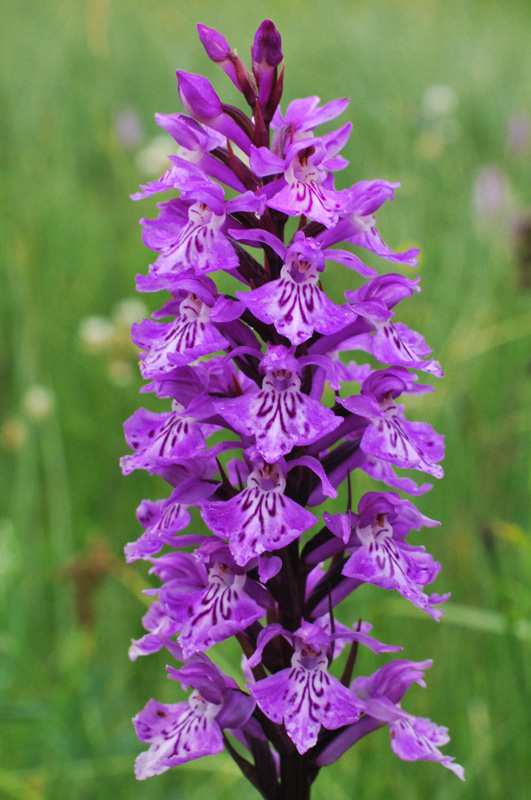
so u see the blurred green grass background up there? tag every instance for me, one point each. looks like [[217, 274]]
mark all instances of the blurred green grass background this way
[[75, 76]]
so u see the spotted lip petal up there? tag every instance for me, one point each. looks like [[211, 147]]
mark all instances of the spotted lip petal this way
[[413, 738], [220, 608], [391, 564], [159, 626], [395, 343], [389, 436], [259, 519], [182, 341], [390, 682], [189, 231], [199, 245], [163, 520], [296, 306], [178, 733], [160, 439], [279, 416], [305, 196], [301, 189], [305, 697], [396, 440]]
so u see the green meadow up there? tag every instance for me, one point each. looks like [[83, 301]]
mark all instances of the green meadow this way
[[441, 102]]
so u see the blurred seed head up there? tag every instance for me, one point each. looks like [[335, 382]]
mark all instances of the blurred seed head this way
[[13, 434], [120, 372]]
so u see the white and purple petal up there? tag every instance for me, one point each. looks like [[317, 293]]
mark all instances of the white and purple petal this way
[[306, 697], [160, 439], [413, 738], [159, 626], [163, 521], [257, 521], [295, 304], [178, 733], [280, 416], [180, 342], [219, 610], [391, 564]]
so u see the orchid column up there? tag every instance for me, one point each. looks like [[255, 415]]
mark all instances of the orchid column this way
[[260, 426]]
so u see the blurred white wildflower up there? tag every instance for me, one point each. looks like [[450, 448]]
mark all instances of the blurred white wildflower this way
[[439, 100], [38, 402], [128, 311], [438, 124], [111, 335], [153, 159], [96, 334]]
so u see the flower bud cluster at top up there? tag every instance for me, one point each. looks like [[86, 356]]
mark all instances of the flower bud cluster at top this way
[[247, 440]]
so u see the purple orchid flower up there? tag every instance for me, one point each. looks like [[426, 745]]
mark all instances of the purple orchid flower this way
[[279, 416], [264, 417], [163, 521], [392, 343], [414, 738], [301, 188], [260, 518], [379, 554], [189, 234], [201, 326], [301, 118], [294, 303], [357, 222], [160, 629], [181, 732], [161, 438], [306, 696], [207, 597], [389, 436]]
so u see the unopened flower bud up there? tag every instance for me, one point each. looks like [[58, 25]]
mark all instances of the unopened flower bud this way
[[267, 55]]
